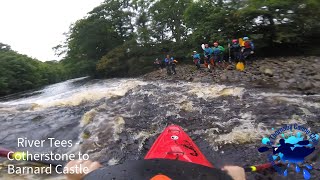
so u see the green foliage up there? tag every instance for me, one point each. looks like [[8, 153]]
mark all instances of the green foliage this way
[[19, 72], [122, 38], [167, 16], [130, 59]]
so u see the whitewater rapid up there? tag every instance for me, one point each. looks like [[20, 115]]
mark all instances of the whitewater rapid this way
[[117, 120]]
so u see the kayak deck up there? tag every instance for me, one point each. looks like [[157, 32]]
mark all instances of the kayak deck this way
[[173, 143]]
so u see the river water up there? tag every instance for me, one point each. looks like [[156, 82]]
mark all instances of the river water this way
[[117, 120]]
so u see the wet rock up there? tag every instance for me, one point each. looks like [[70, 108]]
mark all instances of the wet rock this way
[[316, 77], [190, 79], [224, 77], [268, 72], [196, 79], [292, 80], [305, 86], [230, 67], [284, 85], [288, 73]]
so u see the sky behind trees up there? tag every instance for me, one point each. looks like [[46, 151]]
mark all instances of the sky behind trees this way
[[33, 27]]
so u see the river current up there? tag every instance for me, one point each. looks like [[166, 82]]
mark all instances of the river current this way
[[117, 120]]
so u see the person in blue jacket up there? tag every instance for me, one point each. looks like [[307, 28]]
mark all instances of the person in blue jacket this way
[[196, 59], [170, 65], [208, 51], [236, 50]]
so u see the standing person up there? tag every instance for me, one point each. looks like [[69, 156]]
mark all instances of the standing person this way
[[157, 64], [247, 49], [218, 53], [173, 63], [196, 59], [170, 65], [208, 61], [236, 50]]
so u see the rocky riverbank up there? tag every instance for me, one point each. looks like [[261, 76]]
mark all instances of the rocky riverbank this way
[[300, 74]]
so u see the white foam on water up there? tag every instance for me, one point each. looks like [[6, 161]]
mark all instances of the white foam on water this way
[[267, 94], [206, 131], [171, 113], [295, 119], [48, 93], [306, 111], [113, 162], [299, 101], [244, 133], [290, 98], [213, 91], [118, 127], [88, 117], [247, 132], [142, 136], [76, 96], [187, 106], [225, 123]]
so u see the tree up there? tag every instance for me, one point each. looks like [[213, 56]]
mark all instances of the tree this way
[[118, 13], [4, 47], [19, 72], [167, 19]]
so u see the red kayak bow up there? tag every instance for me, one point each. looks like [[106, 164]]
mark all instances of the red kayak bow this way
[[173, 143]]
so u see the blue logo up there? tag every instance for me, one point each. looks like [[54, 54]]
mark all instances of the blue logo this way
[[290, 145]]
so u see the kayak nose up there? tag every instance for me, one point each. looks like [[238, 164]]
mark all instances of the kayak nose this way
[[160, 177], [173, 143]]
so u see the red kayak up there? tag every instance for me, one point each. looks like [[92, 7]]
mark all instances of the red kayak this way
[[173, 143]]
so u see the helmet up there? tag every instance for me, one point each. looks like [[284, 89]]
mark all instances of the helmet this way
[[235, 40], [194, 51], [245, 38]]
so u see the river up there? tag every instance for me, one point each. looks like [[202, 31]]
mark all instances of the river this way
[[117, 120]]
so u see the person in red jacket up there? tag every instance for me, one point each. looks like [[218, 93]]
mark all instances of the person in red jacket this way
[[247, 49]]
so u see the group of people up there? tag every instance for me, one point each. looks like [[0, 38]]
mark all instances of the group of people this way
[[214, 56], [169, 62]]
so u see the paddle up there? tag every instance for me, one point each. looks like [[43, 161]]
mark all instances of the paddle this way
[[257, 167], [264, 148], [203, 46], [5, 153], [229, 51]]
